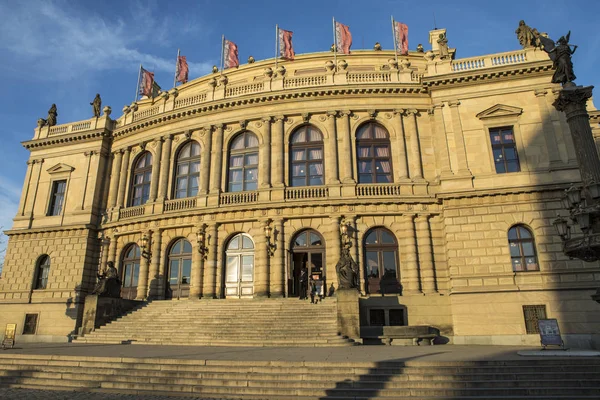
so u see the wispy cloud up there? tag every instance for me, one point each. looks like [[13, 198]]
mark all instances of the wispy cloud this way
[[60, 43]]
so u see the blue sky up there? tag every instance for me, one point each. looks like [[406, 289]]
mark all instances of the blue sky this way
[[65, 52]]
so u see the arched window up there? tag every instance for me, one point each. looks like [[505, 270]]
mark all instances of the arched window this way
[[381, 262], [239, 267], [180, 269], [187, 171], [42, 272], [140, 179], [131, 271], [243, 163], [522, 249], [306, 157], [373, 154]]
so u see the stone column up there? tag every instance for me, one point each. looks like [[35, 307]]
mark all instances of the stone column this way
[[572, 101], [197, 267], [210, 265], [164, 172], [400, 148], [261, 264], [425, 254], [333, 251], [408, 256], [217, 160], [157, 168], [112, 250], [277, 276], [459, 140], [331, 164], [154, 273], [441, 143], [114, 178], [265, 154], [416, 170], [277, 167], [105, 251], [345, 140], [548, 129], [25, 191], [205, 161], [142, 288], [123, 177]]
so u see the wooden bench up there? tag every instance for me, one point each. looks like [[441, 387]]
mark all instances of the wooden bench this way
[[416, 335]]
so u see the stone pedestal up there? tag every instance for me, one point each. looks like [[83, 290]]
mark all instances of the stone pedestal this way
[[98, 311], [348, 313]]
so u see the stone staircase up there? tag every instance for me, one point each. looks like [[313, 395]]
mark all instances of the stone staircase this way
[[284, 380], [248, 322]]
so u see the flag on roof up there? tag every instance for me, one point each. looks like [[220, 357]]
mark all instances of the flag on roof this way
[[181, 74], [343, 38], [230, 54], [146, 82], [401, 38], [286, 48], [155, 89]]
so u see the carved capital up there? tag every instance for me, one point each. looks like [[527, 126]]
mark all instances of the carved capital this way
[[540, 92], [306, 117], [576, 96], [399, 111], [412, 112], [346, 113], [331, 114], [438, 105], [243, 124], [266, 120], [219, 127], [372, 113], [279, 118], [430, 111], [167, 137], [453, 103], [187, 134]]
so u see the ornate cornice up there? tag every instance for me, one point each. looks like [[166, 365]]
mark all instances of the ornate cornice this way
[[60, 139]]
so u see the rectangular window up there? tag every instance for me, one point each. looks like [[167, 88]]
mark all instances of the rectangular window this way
[[532, 314], [376, 317], [57, 197], [396, 317], [30, 325], [504, 150]]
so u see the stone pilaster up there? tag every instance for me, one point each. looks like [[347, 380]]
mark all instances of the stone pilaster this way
[[277, 281], [331, 164], [29, 207], [265, 154], [400, 148], [572, 101], [197, 271], [441, 144], [408, 256], [261, 263], [210, 265], [104, 258], [114, 178], [112, 250], [334, 250], [142, 288], [123, 178], [415, 166], [217, 160], [459, 140], [425, 254], [345, 141], [548, 129], [25, 191], [157, 168], [205, 161], [154, 273], [164, 172], [277, 167]]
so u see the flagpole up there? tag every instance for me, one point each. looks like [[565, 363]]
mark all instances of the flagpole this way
[[176, 68], [137, 88], [334, 46], [394, 36], [276, 45], [222, 50]]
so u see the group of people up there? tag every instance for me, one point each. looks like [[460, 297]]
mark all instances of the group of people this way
[[316, 287]]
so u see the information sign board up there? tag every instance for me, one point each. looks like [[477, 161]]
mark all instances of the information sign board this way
[[550, 333]]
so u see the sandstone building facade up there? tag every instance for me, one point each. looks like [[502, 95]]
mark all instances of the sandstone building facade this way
[[445, 173]]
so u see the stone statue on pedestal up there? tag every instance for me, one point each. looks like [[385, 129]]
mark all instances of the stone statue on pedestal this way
[[560, 53], [51, 119], [443, 46], [109, 284], [525, 35], [347, 270], [97, 105]]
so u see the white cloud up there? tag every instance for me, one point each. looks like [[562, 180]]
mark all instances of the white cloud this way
[[59, 43]]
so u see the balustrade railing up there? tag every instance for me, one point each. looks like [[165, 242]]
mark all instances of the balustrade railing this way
[[190, 101], [378, 190], [369, 77], [58, 129], [238, 198], [180, 204], [146, 113], [68, 128], [306, 193], [290, 83], [244, 89], [130, 212], [494, 60]]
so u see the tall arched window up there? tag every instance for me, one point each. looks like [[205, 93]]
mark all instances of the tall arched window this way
[[243, 163], [381, 262], [373, 154], [180, 269], [131, 271], [306, 157], [522, 249], [42, 272], [140, 179], [187, 171]]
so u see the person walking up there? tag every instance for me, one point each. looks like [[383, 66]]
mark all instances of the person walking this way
[[303, 283]]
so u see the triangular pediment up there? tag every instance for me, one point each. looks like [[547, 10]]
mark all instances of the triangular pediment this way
[[500, 110], [60, 167]]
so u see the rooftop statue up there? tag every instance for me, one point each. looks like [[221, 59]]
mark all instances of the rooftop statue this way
[[525, 34], [96, 105], [560, 53], [443, 46], [51, 119]]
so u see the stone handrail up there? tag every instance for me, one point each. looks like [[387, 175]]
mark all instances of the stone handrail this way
[[238, 198], [290, 83], [69, 128], [369, 77], [130, 212], [244, 89], [306, 193], [190, 101], [492, 60], [149, 112], [180, 204], [369, 190]]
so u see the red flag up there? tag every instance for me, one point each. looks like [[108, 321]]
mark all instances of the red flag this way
[[146, 83], [230, 55], [182, 69], [286, 49], [401, 32], [343, 38]]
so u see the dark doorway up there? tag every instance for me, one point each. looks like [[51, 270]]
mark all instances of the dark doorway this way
[[308, 250]]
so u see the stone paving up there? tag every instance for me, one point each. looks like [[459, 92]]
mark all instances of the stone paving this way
[[31, 394]]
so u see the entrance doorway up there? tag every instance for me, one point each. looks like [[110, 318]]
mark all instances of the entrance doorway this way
[[308, 250], [130, 272], [239, 267], [180, 270]]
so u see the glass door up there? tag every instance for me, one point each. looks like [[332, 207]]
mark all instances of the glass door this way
[[239, 267], [180, 270]]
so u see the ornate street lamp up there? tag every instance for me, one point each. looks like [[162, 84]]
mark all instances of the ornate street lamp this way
[[144, 245], [268, 234], [201, 241]]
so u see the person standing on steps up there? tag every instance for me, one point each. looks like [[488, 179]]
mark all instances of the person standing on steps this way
[[303, 283]]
